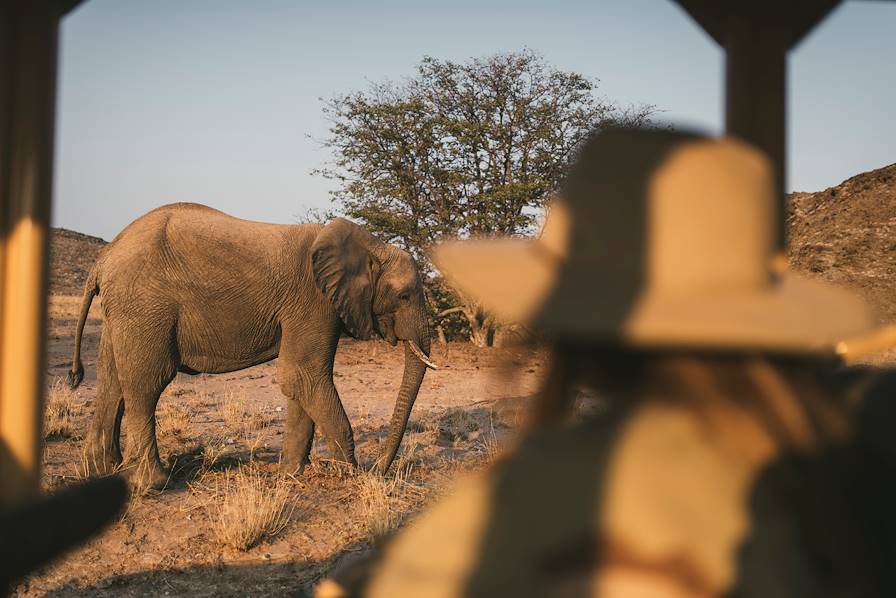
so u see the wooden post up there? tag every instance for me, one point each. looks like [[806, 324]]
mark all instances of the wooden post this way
[[28, 47], [756, 36], [756, 96]]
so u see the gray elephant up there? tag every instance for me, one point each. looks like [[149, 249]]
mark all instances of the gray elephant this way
[[188, 288]]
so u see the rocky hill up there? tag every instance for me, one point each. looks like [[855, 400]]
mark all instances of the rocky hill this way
[[847, 234], [71, 256]]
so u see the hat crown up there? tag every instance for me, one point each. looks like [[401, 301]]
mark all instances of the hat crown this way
[[685, 214], [710, 219]]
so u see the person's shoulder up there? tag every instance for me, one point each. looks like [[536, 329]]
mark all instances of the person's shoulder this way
[[678, 485]]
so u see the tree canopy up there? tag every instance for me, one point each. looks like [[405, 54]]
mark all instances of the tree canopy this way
[[460, 150]]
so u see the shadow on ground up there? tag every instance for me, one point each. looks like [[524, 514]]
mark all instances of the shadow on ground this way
[[289, 578]]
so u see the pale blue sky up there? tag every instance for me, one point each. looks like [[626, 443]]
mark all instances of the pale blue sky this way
[[214, 101]]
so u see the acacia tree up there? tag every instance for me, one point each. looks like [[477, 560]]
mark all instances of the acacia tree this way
[[461, 150]]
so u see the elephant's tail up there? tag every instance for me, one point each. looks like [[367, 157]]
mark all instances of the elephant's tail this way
[[91, 289]]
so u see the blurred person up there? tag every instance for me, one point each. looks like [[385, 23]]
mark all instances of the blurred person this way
[[35, 532], [733, 457]]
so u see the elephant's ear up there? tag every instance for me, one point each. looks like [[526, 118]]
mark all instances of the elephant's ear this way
[[343, 271]]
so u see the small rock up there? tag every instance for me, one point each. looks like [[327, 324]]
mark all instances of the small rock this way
[[278, 409]]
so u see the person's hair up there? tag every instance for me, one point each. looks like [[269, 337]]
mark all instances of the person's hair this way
[[794, 396]]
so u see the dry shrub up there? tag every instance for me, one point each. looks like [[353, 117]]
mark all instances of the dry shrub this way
[[256, 422], [61, 411], [378, 508], [251, 506], [456, 424], [387, 500], [329, 468], [84, 468], [212, 454], [489, 445], [232, 411], [254, 429]]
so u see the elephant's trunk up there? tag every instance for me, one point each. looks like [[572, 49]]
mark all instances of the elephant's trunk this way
[[414, 370]]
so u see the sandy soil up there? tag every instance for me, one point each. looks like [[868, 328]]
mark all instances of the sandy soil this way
[[169, 543]]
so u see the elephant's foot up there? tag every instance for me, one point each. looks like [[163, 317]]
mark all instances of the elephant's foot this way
[[291, 467], [98, 460], [291, 463], [146, 474]]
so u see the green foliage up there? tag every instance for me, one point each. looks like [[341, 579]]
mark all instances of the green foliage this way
[[461, 149]]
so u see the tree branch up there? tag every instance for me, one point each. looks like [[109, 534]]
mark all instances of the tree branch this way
[[449, 311]]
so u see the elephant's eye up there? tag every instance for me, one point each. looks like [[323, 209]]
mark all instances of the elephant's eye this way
[[404, 296]]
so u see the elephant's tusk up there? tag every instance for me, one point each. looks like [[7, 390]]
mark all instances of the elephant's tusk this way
[[421, 355]]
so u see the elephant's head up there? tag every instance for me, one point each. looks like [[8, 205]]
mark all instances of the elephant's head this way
[[376, 287]]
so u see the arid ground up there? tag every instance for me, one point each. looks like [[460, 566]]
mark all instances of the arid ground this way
[[229, 525]]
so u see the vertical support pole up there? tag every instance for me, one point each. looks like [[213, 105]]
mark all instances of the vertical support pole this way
[[756, 95], [28, 52]]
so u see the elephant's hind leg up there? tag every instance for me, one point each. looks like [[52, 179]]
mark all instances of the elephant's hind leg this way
[[102, 452], [142, 464], [150, 367]]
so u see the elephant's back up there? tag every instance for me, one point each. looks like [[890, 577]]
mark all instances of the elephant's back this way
[[192, 245], [173, 222], [192, 230]]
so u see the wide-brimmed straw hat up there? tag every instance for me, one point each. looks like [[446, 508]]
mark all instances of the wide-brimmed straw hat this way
[[659, 239]]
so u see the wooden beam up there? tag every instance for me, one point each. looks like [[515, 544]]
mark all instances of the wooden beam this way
[[796, 17], [28, 48], [66, 6]]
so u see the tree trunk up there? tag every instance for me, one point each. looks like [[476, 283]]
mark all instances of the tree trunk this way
[[482, 326]]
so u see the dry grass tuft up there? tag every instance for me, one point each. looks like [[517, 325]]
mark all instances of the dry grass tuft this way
[[232, 411], [213, 452], [456, 424], [489, 445], [256, 422], [251, 506], [174, 419], [387, 500], [84, 468], [61, 410]]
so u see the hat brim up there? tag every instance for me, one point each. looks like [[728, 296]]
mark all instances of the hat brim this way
[[517, 280], [510, 277]]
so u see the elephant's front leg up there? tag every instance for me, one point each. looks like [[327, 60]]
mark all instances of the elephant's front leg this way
[[305, 371], [327, 411], [298, 438], [313, 400]]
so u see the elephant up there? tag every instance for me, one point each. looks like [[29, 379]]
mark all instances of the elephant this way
[[188, 288]]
